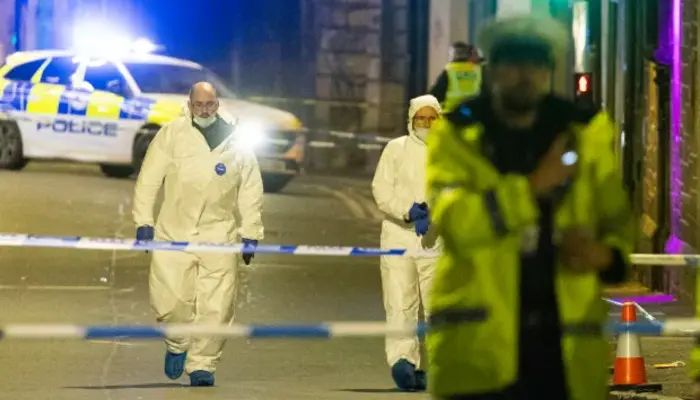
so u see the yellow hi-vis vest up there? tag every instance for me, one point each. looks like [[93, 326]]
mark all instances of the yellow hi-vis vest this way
[[463, 81], [482, 216]]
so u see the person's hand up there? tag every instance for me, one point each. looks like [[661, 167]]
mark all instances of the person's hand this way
[[422, 226], [551, 171], [249, 246], [417, 211], [582, 253], [145, 233]]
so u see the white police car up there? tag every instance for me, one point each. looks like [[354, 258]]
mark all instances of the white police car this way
[[105, 110]]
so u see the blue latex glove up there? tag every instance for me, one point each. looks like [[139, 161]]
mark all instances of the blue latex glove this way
[[417, 211], [145, 233], [249, 246], [422, 226]]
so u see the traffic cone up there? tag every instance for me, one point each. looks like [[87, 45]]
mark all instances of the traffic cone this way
[[629, 372]]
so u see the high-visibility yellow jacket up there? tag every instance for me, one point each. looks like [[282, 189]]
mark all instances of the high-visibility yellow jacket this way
[[482, 215], [463, 81], [694, 364]]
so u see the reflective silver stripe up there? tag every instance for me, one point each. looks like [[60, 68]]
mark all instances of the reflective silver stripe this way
[[444, 318], [499, 224], [458, 316], [583, 329]]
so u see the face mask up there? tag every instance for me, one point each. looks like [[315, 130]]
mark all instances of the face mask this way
[[204, 122], [422, 133]]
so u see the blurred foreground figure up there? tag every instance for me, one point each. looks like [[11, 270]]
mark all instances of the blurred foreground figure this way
[[524, 189], [213, 193], [399, 190]]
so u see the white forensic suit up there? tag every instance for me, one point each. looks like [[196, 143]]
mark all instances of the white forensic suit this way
[[209, 196], [399, 181]]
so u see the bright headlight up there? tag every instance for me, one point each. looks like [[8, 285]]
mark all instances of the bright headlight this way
[[250, 134]]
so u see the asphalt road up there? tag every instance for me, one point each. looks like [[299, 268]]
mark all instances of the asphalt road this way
[[103, 287]]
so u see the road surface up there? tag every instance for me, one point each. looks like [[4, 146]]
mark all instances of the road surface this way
[[103, 287]]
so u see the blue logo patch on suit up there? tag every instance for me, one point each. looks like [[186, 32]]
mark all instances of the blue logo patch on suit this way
[[220, 169]]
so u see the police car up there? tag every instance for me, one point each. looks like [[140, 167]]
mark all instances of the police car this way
[[106, 110]]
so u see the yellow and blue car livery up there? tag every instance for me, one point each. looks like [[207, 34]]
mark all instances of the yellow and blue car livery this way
[[61, 105]]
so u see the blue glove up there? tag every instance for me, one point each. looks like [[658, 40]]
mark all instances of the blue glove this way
[[422, 226], [249, 246], [417, 211], [145, 233]]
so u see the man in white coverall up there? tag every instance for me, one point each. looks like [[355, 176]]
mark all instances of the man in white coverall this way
[[213, 193], [399, 190]]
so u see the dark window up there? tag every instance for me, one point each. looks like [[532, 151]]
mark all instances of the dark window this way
[[59, 71], [106, 77], [173, 79], [24, 72]]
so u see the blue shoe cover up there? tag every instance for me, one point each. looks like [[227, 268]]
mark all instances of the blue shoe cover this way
[[201, 378], [421, 381], [174, 364], [404, 374]]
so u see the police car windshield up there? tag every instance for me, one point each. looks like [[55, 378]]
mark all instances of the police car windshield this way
[[173, 79]]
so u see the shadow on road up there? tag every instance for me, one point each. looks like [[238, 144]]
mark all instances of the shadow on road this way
[[135, 386], [389, 390]]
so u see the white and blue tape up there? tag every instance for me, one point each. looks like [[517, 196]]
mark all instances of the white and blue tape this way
[[679, 327], [255, 331], [79, 242]]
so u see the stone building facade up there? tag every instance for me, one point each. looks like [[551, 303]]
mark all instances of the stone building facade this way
[[687, 181], [360, 63]]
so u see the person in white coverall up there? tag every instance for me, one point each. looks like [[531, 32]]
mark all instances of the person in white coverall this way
[[399, 190], [213, 193]]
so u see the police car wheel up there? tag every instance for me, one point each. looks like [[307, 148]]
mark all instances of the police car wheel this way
[[141, 143], [117, 171], [11, 153], [274, 183]]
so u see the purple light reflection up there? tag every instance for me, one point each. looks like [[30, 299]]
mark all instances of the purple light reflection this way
[[652, 299], [676, 104], [676, 246]]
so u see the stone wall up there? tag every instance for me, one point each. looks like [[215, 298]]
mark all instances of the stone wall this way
[[361, 61], [690, 144]]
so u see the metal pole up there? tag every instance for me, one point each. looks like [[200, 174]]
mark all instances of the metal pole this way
[[620, 75], [604, 52]]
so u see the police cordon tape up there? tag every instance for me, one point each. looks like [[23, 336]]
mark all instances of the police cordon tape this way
[[678, 327], [88, 243], [367, 141], [647, 315]]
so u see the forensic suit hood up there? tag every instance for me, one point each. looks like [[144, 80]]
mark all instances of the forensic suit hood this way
[[416, 104]]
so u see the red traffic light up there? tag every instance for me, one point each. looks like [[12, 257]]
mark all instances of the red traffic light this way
[[582, 83]]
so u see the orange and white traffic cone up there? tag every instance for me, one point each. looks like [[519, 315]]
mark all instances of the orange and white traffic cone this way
[[629, 371]]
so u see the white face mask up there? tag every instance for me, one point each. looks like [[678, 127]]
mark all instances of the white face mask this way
[[204, 122], [422, 133]]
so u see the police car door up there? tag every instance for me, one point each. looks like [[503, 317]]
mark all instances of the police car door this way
[[49, 109], [110, 136]]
